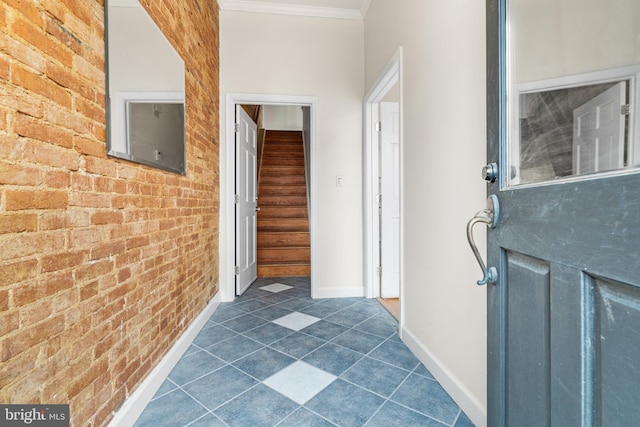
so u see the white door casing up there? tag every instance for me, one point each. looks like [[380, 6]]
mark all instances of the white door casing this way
[[389, 77], [246, 202], [228, 172], [390, 199]]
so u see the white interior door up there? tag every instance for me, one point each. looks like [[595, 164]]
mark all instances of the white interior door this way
[[390, 206], [245, 193], [598, 136]]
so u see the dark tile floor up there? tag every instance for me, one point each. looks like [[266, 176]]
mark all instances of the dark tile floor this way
[[276, 357]]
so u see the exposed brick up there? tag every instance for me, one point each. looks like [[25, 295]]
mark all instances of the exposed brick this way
[[26, 244], [17, 174], [106, 217], [89, 200], [46, 287], [22, 199], [57, 179], [40, 85], [49, 155], [18, 222], [30, 336], [107, 250], [89, 147], [31, 127], [101, 166], [62, 261]]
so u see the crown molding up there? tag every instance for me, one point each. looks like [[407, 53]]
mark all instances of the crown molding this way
[[297, 10]]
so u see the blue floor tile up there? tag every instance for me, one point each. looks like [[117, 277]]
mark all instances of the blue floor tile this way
[[220, 386], [395, 415], [333, 358], [298, 345], [427, 397], [376, 376], [269, 333], [244, 323], [165, 388], [194, 366], [324, 330], [304, 418], [345, 404], [213, 335], [358, 341], [234, 348], [295, 304], [263, 363], [259, 407], [218, 380], [396, 354], [463, 421], [377, 326], [170, 410], [208, 420], [347, 318]]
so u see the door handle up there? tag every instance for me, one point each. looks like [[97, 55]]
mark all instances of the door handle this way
[[257, 208], [489, 216]]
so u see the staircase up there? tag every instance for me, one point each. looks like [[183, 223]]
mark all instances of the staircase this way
[[283, 219]]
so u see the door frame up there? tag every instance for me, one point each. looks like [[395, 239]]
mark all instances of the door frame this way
[[227, 285], [387, 79]]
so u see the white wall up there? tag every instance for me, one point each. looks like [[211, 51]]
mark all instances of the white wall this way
[[303, 56], [282, 117], [443, 152]]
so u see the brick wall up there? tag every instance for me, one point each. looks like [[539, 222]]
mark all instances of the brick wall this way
[[103, 263]]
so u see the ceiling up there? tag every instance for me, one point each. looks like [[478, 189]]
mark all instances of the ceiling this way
[[342, 9]]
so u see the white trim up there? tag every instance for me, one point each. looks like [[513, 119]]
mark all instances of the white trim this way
[[138, 401], [291, 9], [390, 75], [340, 292], [471, 406], [227, 285]]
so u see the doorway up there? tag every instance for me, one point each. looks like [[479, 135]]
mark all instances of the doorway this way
[[382, 178], [233, 100]]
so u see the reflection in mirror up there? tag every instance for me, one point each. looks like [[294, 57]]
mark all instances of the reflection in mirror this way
[[572, 99], [145, 87]]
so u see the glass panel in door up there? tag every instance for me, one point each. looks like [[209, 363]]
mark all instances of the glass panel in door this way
[[573, 85]]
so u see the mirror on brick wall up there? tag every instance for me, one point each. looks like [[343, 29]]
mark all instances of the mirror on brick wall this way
[[145, 90]]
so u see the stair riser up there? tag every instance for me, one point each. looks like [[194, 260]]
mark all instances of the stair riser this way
[[282, 226], [279, 161], [282, 239], [282, 190], [272, 212], [267, 170], [282, 201], [297, 255], [281, 180]]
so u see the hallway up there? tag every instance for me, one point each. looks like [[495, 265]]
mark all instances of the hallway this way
[[333, 362]]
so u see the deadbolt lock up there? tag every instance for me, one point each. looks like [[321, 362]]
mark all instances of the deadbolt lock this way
[[490, 172]]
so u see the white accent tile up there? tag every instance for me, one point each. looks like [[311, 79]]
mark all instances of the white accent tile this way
[[276, 287], [300, 381], [296, 321]]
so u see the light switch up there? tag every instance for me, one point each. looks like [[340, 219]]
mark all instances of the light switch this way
[[339, 180]]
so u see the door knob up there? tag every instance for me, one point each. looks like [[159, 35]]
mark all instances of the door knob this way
[[257, 208], [489, 216], [490, 172]]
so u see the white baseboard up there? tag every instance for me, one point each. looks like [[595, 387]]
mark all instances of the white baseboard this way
[[135, 404], [474, 409], [338, 292]]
